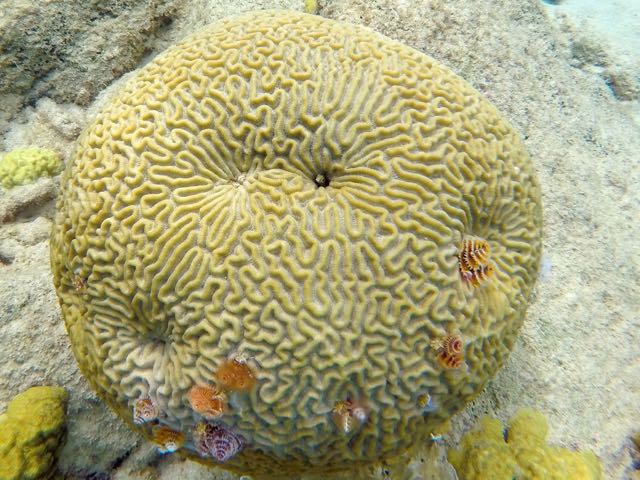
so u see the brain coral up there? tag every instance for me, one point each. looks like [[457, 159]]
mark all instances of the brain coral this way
[[291, 193]]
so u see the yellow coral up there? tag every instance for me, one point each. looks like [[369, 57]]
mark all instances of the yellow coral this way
[[484, 454], [31, 433], [296, 189], [311, 6], [24, 165]]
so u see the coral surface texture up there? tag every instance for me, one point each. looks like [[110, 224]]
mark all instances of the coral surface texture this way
[[31, 433], [24, 165], [293, 244], [520, 452]]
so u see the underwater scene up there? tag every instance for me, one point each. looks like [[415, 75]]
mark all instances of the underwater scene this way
[[320, 239]]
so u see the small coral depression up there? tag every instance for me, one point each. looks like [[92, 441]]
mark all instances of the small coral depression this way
[[318, 197]]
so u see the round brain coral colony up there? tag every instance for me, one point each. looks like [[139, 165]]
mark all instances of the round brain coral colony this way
[[291, 244]]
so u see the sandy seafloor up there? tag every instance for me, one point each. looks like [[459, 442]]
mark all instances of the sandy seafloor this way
[[566, 76]]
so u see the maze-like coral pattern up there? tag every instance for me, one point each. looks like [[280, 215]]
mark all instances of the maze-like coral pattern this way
[[294, 192]]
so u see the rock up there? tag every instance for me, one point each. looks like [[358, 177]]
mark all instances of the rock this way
[[71, 50], [47, 124], [624, 84], [21, 199]]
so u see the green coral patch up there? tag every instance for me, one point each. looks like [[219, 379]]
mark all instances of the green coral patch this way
[[485, 454], [31, 433], [25, 165]]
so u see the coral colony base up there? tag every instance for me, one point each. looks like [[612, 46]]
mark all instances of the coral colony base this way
[[290, 244]]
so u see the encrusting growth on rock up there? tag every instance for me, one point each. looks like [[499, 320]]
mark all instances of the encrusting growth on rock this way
[[16, 201]]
